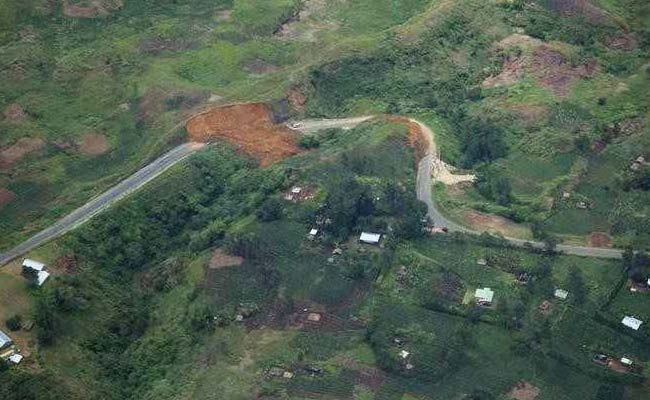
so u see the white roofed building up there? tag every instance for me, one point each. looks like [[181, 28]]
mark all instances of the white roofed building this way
[[484, 296], [5, 340], [370, 238], [561, 294], [632, 323], [32, 264], [42, 277]]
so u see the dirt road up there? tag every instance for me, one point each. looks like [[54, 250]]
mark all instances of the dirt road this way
[[101, 202]]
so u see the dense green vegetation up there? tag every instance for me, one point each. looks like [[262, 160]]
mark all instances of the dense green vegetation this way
[[142, 306]]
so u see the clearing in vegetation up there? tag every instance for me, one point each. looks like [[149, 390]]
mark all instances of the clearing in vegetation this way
[[249, 127]]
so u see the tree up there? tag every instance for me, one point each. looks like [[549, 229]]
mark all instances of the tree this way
[[14, 323], [576, 285], [610, 391], [271, 210]]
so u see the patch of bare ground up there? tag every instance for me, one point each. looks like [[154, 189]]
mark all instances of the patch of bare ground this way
[[492, 223], [220, 259], [6, 197], [223, 16], [554, 72], [371, 377], [157, 46], [524, 391], [632, 126], [530, 114], [93, 144], [260, 67], [599, 239], [14, 153], [15, 113], [511, 73], [579, 9], [249, 127], [91, 9], [623, 41], [301, 26], [297, 97], [517, 39]]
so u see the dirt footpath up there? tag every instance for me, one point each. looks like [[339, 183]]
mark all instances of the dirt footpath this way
[[249, 127]]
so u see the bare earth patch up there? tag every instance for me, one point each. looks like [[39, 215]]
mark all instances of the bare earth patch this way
[[518, 39], [221, 259], [530, 113], [249, 127], [524, 391], [91, 9], [512, 72], [599, 239], [554, 72], [260, 67], [12, 154], [15, 113], [93, 145], [624, 41], [494, 223], [6, 197], [297, 97]]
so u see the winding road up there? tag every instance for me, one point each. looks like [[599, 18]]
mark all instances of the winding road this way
[[424, 185], [101, 202]]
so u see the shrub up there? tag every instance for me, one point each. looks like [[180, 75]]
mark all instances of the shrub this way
[[14, 323], [271, 210]]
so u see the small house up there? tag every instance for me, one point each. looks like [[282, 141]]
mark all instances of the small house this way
[[32, 264], [5, 340], [484, 296], [626, 361], [632, 323], [41, 274], [482, 262], [404, 354], [582, 205], [15, 358], [561, 294], [370, 238], [314, 317]]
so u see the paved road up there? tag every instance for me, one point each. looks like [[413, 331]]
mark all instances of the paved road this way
[[101, 202], [424, 184], [425, 181]]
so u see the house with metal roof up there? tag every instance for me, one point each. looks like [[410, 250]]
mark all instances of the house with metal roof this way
[[484, 296], [33, 264], [5, 340], [632, 323], [370, 238]]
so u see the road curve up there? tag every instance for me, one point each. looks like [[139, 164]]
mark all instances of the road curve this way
[[425, 181], [101, 202], [424, 186]]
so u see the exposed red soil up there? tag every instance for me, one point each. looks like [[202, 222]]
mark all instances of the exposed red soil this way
[[599, 239], [221, 259], [617, 366], [92, 9], [249, 127], [15, 113], [93, 144], [12, 154], [489, 222], [6, 197], [554, 72], [524, 391], [417, 139]]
